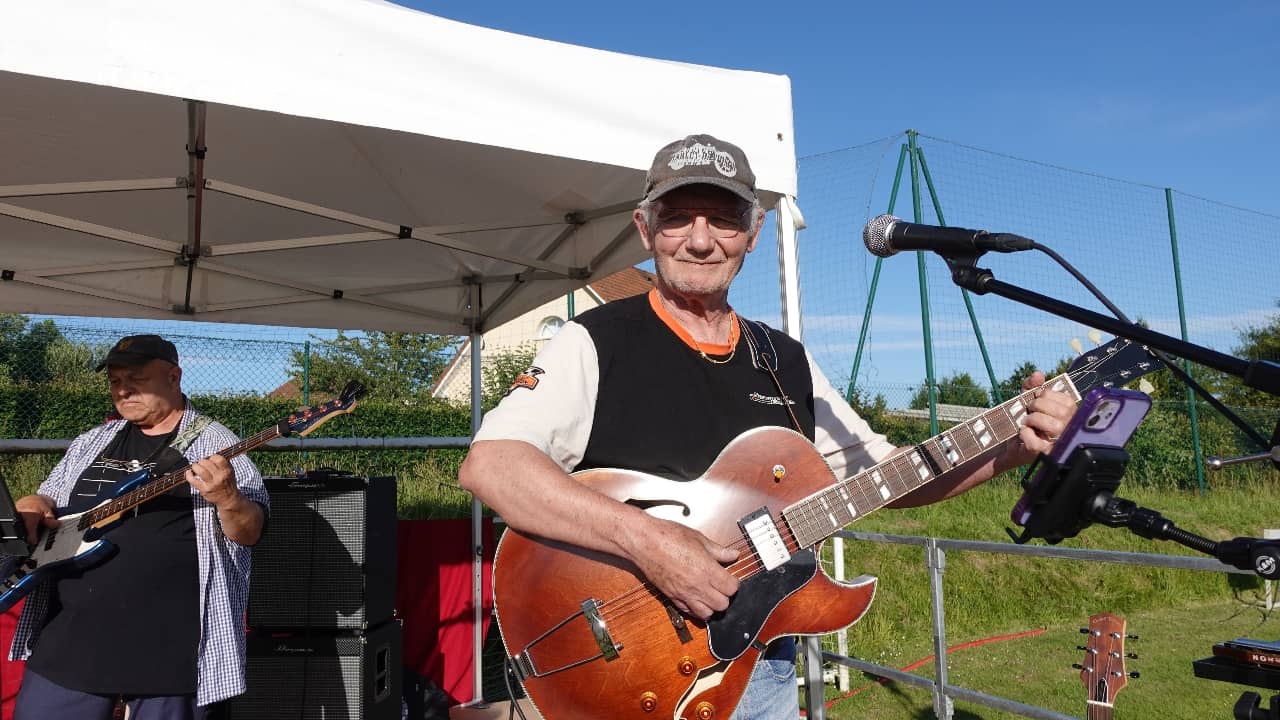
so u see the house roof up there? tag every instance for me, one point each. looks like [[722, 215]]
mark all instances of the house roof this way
[[623, 284]]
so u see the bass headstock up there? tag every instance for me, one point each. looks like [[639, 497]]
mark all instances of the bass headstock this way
[[304, 421]]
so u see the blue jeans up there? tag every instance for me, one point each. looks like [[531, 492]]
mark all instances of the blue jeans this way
[[771, 693], [41, 699]]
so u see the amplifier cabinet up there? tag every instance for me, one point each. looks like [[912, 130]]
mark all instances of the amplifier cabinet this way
[[327, 557], [322, 676]]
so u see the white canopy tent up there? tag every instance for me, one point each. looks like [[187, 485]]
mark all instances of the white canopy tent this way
[[353, 164], [337, 163]]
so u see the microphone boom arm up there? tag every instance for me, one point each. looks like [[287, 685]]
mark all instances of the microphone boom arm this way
[[1258, 374]]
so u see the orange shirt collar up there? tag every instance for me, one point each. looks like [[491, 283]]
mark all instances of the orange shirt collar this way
[[710, 348]]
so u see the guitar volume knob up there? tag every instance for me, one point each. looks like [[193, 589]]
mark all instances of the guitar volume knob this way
[[649, 701], [704, 711]]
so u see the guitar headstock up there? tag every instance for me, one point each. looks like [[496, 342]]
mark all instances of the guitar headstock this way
[[303, 422], [1103, 669], [1115, 363]]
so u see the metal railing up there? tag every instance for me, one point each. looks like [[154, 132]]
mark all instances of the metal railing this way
[[935, 558]]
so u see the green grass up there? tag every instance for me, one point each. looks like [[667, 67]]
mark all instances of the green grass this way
[[1179, 614], [1037, 670]]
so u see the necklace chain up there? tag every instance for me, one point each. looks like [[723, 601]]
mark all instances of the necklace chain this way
[[703, 353]]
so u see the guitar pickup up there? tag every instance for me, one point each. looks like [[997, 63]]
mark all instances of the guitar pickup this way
[[765, 539]]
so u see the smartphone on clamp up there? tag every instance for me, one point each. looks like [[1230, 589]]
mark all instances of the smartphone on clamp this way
[[1107, 417]]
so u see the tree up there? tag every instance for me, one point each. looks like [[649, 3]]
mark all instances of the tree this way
[[39, 354], [500, 371], [71, 364], [1260, 342], [1012, 385], [394, 366], [957, 389]]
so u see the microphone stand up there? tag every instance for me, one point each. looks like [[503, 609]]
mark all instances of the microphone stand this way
[[1085, 483], [1091, 473]]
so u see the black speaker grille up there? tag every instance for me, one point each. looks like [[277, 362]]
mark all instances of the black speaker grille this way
[[327, 556], [312, 559]]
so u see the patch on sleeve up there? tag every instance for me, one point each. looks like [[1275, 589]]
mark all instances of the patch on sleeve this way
[[527, 379]]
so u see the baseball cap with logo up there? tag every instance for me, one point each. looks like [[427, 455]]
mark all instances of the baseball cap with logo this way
[[139, 349], [700, 160]]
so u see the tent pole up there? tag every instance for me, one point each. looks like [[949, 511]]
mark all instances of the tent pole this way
[[477, 510], [789, 222]]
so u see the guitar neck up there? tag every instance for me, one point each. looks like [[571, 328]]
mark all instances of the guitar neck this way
[[818, 516], [169, 481]]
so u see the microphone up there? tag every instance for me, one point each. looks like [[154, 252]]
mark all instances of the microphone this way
[[887, 235]]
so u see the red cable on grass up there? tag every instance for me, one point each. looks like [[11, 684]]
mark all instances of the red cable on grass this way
[[931, 658]]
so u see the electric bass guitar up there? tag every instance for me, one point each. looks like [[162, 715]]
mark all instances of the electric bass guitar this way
[[1103, 671], [589, 638], [80, 541]]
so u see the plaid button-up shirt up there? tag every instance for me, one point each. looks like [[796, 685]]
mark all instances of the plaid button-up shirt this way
[[223, 563]]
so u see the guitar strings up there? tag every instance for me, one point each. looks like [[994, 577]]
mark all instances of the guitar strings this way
[[620, 608]]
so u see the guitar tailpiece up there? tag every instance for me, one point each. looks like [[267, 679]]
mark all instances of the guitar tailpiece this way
[[521, 666]]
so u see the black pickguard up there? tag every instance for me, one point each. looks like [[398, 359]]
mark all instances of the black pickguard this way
[[731, 632]]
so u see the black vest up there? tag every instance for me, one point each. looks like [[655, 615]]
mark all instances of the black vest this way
[[664, 410]]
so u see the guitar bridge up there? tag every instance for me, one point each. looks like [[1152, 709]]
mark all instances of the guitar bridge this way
[[591, 612]]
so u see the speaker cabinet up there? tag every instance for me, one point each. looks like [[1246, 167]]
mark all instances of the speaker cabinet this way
[[322, 676], [327, 557]]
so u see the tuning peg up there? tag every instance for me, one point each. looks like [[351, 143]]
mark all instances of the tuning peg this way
[[1085, 631], [1084, 647], [1132, 637], [1131, 656], [1077, 666], [1135, 675]]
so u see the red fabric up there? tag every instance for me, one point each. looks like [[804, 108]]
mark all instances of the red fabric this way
[[433, 596], [10, 672]]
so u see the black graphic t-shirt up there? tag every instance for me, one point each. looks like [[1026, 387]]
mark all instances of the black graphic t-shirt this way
[[130, 624]]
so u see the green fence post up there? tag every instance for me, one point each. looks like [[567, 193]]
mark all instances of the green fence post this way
[[964, 294], [875, 280], [924, 288], [306, 373], [1182, 321], [306, 380]]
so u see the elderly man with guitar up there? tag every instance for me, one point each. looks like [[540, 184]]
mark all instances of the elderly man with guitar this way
[[664, 579], [154, 629]]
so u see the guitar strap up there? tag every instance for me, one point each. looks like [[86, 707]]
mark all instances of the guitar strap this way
[[764, 356], [183, 440]]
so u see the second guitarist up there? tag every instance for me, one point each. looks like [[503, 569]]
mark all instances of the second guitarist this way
[[159, 625], [661, 383]]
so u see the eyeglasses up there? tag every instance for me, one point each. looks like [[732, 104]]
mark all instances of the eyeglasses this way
[[675, 222]]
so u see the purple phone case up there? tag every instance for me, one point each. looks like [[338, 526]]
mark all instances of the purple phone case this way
[[1107, 416]]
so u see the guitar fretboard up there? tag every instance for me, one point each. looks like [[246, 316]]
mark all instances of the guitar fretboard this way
[[818, 516], [169, 481]]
